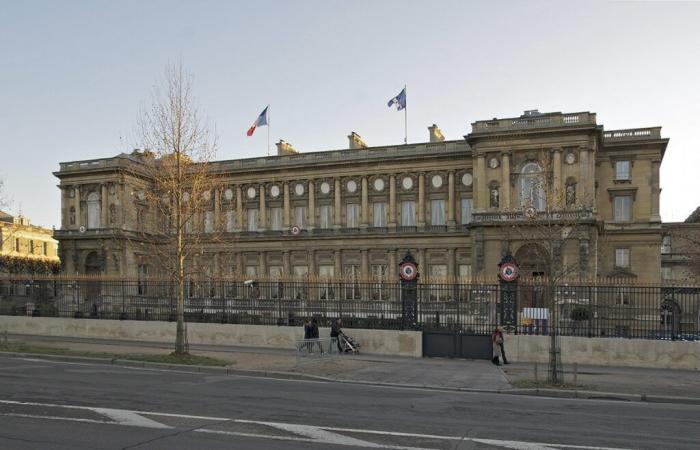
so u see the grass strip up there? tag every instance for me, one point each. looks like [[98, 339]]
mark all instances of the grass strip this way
[[193, 360]]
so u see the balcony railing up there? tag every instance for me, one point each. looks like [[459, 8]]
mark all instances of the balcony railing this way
[[514, 216], [540, 121], [633, 134]]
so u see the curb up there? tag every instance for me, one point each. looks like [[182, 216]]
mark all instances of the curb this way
[[281, 375]]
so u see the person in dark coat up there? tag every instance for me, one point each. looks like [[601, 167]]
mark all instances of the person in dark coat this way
[[314, 332], [503, 349], [336, 331], [307, 334]]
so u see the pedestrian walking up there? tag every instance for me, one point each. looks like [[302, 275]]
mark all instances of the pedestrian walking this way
[[307, 334], [315, 334], [496, 341], [336, 331], [502, 343]]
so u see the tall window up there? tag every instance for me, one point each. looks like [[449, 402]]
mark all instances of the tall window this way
[[17, 245], [46, 249], [437, 212], [31, 247], [300, 217], [438, 290], [209, 221], [326, 216], [408, 213], [252, 219], [379, 290], [142, 276], [352, 289], [622, 257], [326, 291], [379, 214], [230, 221], [352, 216], [622, 208], [466, 206], [622, 170], [531, 187], [93, 210], [465, 271], [276, 218]]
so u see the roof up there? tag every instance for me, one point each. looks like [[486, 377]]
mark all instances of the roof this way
[[694, 217]]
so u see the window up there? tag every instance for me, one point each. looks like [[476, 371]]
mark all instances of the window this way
[[276, 219], [326, 218], [140, 221], [17, 245], [408, 213], [209, 221], [379, 214], [352, 215], [352, 288], [31, 247], [93, 210], [622, 208], [622, 257], [252, 219], [437, 212], [276, 290], [251, 271], [46, 249], [230, 221], [380, 289], [438, 289], [326, 272], [666, 245], [465, 271], [300, 217], [622, 170], [466, 205], [142, 276], [301, 271], [531, 187]]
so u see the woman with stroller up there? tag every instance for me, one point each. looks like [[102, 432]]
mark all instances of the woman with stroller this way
[[336, 331]]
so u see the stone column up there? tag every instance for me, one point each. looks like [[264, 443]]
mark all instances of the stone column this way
[[480, 185], [312, 263], [104, 208], [240, 225], [286, 215], [392, 201], [451, 262], [557, 190], [217, 209], [505, 181], [286, 266], [451, 198], [655, 191], [583, 195], [337, 262], [262, 218], [263, 264], [312, 207], [421, 200], [338, 206], [365, 204], [364, 263], [78, 217], [422, 269], [240, 270]]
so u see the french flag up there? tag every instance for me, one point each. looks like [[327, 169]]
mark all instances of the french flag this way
[[260, 121]]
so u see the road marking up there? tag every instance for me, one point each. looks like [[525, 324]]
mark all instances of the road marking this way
[[302, 433]]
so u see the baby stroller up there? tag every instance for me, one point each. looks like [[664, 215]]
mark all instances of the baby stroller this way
[[349, 344]]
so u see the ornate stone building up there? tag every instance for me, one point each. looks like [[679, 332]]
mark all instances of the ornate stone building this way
[[25, 247], [356, 211]]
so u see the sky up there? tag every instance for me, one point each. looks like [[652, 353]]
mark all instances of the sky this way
[[74, 75]]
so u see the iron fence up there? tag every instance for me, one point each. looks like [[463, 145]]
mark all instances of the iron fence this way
[[594, 310]]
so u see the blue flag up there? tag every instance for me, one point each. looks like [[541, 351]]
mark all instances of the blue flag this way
[[399, 100]]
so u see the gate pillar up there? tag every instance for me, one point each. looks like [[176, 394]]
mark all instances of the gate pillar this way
[[408, 273]]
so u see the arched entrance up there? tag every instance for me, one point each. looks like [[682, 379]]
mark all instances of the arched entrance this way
[[93, 264], [91, 288], [532, 260]]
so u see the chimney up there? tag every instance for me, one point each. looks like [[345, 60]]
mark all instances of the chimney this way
[[356, 141], [435, 134], [285, 148]]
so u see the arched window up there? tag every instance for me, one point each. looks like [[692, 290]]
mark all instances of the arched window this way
[[531, 187], [94, 210]]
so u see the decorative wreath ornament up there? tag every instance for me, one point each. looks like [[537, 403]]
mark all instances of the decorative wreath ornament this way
[[408, 271], [508, 272], [296, 230], [530, 212]]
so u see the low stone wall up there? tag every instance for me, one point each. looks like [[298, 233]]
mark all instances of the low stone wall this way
[[607, 351], [378, 342]]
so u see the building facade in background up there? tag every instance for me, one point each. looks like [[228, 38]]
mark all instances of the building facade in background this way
[[25, 248], [457, 206]]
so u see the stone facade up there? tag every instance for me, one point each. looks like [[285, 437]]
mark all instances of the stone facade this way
[[358, 210], [680, 250], [20, 240]]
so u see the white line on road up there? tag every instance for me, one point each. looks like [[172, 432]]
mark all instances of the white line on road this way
[[305, 433]]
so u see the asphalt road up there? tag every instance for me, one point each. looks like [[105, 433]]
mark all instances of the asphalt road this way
[[59, 405]]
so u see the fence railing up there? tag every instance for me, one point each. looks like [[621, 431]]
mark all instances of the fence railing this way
[[595, 310]]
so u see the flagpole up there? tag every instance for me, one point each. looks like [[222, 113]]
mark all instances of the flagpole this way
[[405, 117], [268, 130]]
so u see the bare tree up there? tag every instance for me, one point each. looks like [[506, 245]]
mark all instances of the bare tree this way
[[556, 222], [178, 146]]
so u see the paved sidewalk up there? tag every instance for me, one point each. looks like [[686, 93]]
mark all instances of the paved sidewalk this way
[[615, 382]]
